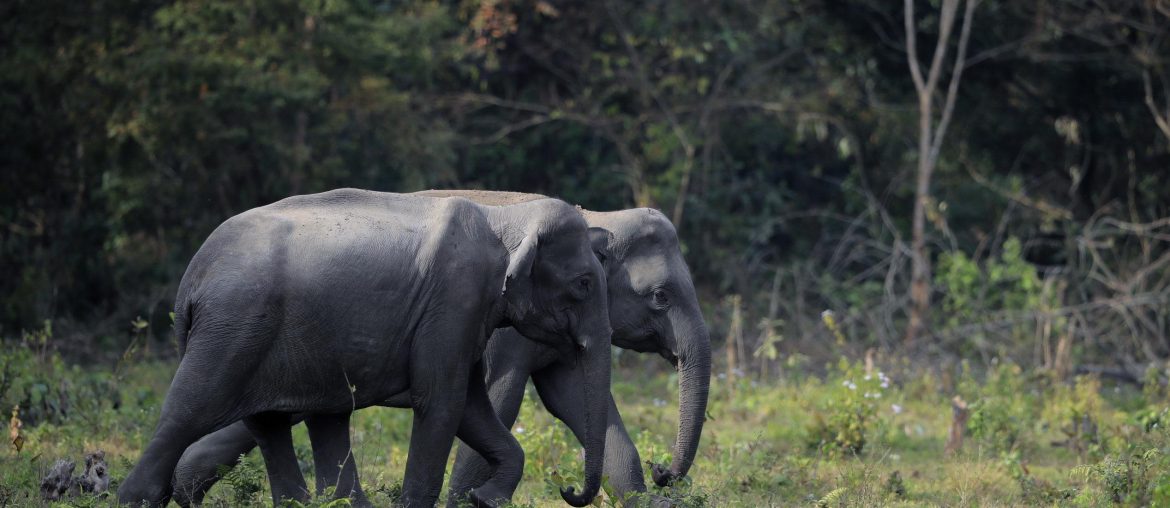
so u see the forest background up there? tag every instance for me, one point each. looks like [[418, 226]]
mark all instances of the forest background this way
[[908, 222], [1002, 194]]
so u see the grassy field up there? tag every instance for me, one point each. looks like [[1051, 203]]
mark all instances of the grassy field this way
[[844, 438]]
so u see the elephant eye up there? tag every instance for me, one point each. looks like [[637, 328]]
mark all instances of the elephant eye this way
[[661, 299], [581, 286]]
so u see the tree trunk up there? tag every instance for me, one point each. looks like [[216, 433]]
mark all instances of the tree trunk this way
[[929, 143]]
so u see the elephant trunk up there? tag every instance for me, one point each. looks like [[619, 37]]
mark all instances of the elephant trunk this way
[[694, 380], [595, 359]]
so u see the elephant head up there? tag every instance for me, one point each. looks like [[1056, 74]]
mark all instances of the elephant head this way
[[653, 308], [555, 294]]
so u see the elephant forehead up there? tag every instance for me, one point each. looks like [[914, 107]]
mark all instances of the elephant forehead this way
[[568, 253], [646, 271]]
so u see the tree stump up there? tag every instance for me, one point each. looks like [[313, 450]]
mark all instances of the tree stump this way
[[59, 481], [96, 478], [959, 415]]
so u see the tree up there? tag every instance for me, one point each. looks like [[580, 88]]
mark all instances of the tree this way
[[930, 137]]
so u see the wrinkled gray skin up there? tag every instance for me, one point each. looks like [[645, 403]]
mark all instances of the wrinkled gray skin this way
[[652, 308], [642, 255], [324, 303]]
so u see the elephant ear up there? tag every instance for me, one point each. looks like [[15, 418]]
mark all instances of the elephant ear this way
[[518, 282], [601, 239]]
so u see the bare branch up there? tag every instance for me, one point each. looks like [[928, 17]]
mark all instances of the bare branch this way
[[912, 47], [1159, 117], [946, 23], [953, 87], [507, 130]]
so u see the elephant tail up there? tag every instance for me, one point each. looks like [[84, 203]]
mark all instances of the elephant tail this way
[[182, 320]]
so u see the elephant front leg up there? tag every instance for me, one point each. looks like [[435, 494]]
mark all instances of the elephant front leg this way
[[505, 395], [333, 456], [559, 387], [483, 431], [438, 397], [273, 432]]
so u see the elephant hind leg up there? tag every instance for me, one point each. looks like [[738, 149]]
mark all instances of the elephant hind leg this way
[[199, 467], [333, 456], [193, 408], [273, 432]]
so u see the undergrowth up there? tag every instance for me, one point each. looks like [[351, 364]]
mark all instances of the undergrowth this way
[[856, 436]]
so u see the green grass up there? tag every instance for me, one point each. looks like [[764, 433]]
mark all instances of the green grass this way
[[758, 447]]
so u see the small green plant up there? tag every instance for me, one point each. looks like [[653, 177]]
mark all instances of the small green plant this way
[[1075, 411], [1140, 478], [842, 424], [246, 480], [1003, 409], [392, 493]]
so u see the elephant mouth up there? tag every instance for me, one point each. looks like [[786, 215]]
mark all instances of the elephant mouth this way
[[670, 356], [648, 341]]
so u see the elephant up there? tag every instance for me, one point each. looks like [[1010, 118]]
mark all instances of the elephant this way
[[321, 304], [652, 307]]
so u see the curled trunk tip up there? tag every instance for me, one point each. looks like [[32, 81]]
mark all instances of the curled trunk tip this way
[[570, 496]]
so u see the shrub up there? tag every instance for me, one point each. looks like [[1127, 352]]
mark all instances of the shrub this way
[[1003, 409], [35, 378], [1134, 479], [1076, 412], [844, 420]]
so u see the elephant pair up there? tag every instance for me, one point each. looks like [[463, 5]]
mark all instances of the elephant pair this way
[[322, 304], [656, 310]]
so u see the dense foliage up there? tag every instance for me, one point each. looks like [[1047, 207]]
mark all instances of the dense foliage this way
[[779, 135]]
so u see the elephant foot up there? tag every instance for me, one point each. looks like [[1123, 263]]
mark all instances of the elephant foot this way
[[152, 497], [487, 496], [138, 489]]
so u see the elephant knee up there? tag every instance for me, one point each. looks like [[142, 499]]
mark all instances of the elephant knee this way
[[506, 452]]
